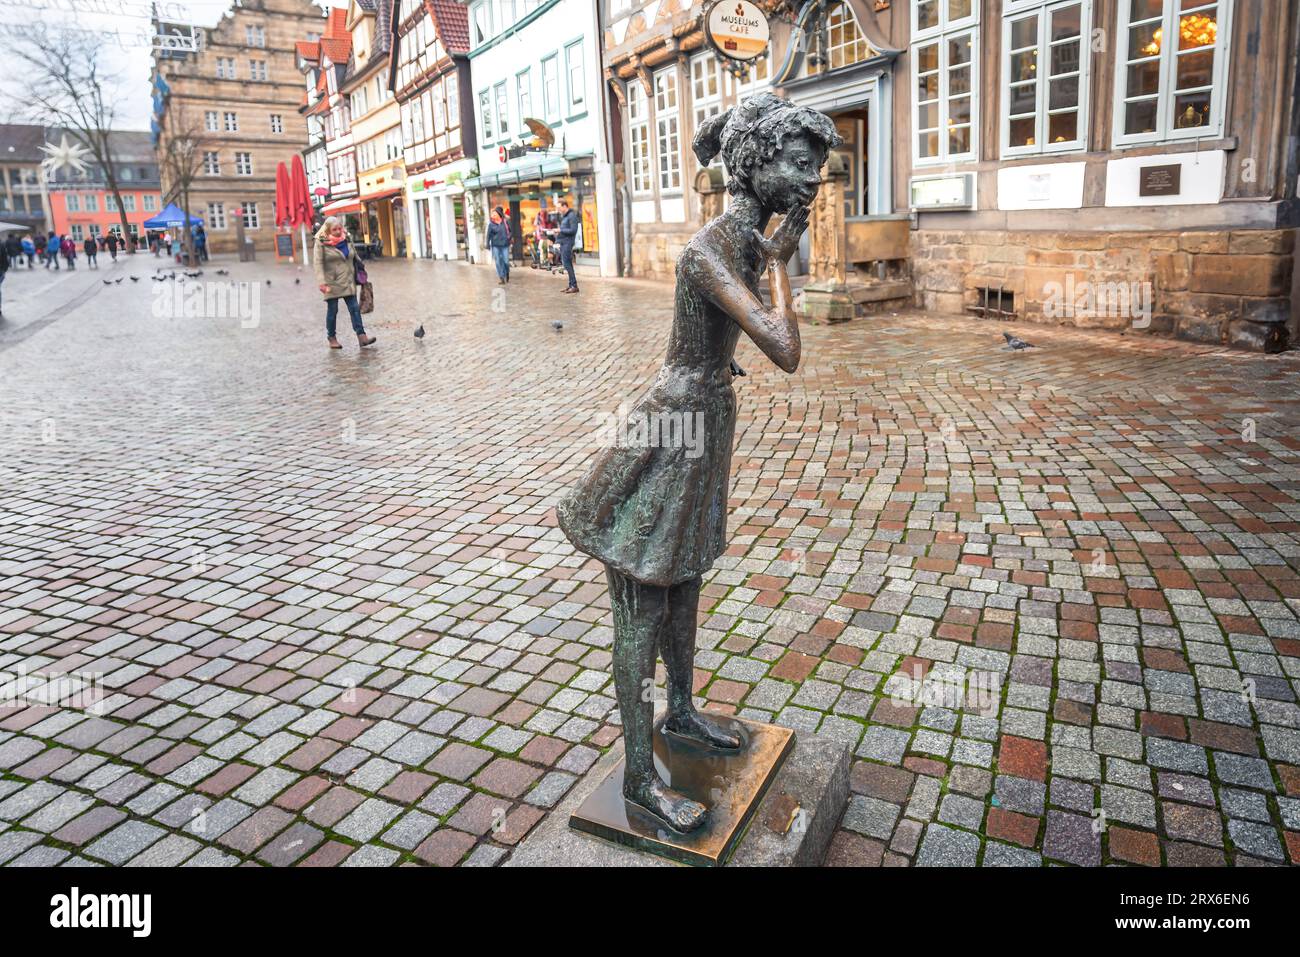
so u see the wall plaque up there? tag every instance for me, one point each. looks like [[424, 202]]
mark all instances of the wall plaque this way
[[1160, 180]]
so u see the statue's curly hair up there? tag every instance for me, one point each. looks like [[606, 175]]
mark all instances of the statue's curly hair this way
[[752, 133]]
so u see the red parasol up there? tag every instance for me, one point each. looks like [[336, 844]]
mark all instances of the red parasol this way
[[283, 197], [300, 205]]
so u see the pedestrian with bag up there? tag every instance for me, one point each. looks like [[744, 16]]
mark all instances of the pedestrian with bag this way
[[498, 240], [568, 237], [340, 275]]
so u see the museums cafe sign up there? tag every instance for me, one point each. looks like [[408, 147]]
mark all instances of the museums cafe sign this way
[[737, 29]]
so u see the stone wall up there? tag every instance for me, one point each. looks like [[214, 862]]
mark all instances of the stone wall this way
[[655, 250], [1230, 287]]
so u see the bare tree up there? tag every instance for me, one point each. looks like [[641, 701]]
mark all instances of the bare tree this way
[[180, 155], [64, 83]]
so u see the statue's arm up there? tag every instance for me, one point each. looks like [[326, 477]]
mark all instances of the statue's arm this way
[[774, 330]]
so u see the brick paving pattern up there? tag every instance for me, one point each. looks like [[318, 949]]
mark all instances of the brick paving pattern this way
[[1049, 599]]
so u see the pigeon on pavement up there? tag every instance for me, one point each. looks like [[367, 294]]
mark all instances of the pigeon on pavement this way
[[419, 332], [1015, 343]]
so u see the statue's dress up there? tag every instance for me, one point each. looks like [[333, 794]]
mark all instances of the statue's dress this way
[[658, 514]]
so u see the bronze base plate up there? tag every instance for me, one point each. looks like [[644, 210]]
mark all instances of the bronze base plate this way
[[730, 783]]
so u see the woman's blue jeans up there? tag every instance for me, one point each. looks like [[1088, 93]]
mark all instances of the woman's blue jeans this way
[[501, 257], [332, 313]]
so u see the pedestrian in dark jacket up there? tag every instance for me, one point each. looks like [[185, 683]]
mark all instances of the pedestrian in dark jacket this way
[[111, 242], [69, 250], [568, 236], [91, 249], [4, 268], [52, 250], [498, 240]]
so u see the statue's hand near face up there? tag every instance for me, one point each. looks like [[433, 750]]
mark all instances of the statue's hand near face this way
[[785, 240]]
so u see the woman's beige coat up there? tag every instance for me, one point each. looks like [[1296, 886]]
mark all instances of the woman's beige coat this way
[[333, 270]]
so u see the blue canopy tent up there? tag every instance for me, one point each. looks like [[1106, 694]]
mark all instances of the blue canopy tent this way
[[170, 218]]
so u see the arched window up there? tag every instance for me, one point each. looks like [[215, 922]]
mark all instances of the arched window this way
[[845, 44]]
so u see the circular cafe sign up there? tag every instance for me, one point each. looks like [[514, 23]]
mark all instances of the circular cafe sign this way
[[737, 29]]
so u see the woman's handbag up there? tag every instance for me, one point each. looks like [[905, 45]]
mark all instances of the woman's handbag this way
[[365, 291]]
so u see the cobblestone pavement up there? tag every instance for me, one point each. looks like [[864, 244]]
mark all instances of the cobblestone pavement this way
[[1048, 598]]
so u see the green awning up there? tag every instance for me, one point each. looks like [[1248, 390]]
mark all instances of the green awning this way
[[524, 171]]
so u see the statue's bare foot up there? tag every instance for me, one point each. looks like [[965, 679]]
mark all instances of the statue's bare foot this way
[[676, 810], [693, 725]]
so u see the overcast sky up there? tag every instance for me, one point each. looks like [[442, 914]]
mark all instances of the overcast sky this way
[[130, 66]]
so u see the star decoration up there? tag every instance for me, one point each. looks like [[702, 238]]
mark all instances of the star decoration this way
[[65, 156]]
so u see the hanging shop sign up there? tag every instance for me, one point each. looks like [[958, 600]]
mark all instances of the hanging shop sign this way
[[737, 29]]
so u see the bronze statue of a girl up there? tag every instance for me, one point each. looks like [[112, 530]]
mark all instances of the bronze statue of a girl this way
[[655, 512]]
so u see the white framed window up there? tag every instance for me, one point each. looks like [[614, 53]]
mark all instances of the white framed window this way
[[150, 202], [638, 130], [216, 215], [845, 44], [551, 87], [502, 108], [1166, 90], [110, 203], [211, 121], [945, 101], [758, 77], [243, 164], [277, 123], [128, 203], [254, 36], [934, 17], [72, 202], [211, 164], [480, 18], [232, 123], [257, 70], [225, 68], [1045, 55], [706, 87], [667, 134], [251, 219], [78, 234], [91, 203], [485, 114], [524, 87], [575, 74], [358, 101]]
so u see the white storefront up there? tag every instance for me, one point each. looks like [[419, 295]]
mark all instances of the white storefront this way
[[540, 60], [435, 204]]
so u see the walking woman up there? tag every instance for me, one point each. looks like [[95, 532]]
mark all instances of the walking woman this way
[[498, 240], [654, 509], [336, 274]]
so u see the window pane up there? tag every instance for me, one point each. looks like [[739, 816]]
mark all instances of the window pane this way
[[927, 117], [1024, 66], [959, 81], [959, 49], [1024, 33], [1062, 127], [1197, 29], [1065, 58], [927, 14], [1023, 98], [1066, 22], [927, 87], [928, 145], [957, 9], [1064, 93], [958, 139], [1192, 110], [1022, 132], [1144, 41], [927, 58], [1145, 9], [1195, 69], [1140, 117], [959, 110], [1144, 78]]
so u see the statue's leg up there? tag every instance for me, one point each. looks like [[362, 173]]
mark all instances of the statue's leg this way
[[640, 613], [677, 645]]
